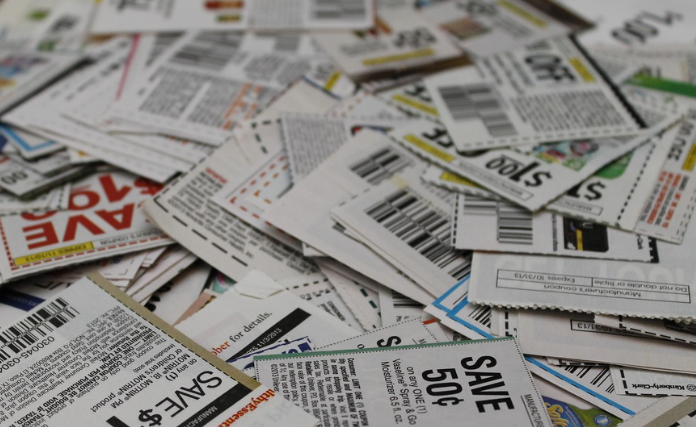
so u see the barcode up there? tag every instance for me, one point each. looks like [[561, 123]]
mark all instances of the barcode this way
[[478, 101], [415, 222], [482, 315], [287, 42], [339, 9], [30, 330], [474, 205], [601, 377], [211, 51], [380, 165], [404, 301], [514, 224]]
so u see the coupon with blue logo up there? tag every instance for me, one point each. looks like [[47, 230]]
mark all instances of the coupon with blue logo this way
[[484, 382]]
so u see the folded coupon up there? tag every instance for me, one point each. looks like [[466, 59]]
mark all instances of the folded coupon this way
[[180, 15], [425, 385], [102, 220], [516, 229], [258, 312], [548, 91], [645, 382], [67, 363]]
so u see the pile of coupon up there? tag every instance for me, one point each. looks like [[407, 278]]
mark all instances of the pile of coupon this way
[[347, 213]]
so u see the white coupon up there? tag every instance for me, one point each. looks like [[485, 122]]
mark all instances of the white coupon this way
[[530, 180], [258, 312], [654, 290], [180, 15], [204, 84], [311, 139], [102, 221], [416, 384], [637, 23], [365, 104], [364, 161], [486, 27], [395, 308], [671, 202], [402, 41], [517, 230], [549, 91], [590, 384], [360, 298], [656, 328], [575, 335], [147, 382], [29, 145], [642, 382], [185, 211], [171, 300], [411, 228]]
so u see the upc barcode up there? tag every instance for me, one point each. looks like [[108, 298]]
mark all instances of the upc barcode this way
[[380, 165], [481, 101], [339, 9], [601, 377], [514, 224], [287, 42], [482, 315], [404, 301], [209, 50], [474, 205], [415, 222], [36, 326]]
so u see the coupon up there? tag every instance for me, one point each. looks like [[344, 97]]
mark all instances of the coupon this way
[[403, 41], [593, 385], [395, 307], [671, 202], [208, 65], [362, 162], [102, 221], [530, 180], [658, 328], [442, 178], [484, 28], [25, 183], [575, 335], [517, 230], [408, 225], [180, 15], [642, 382], [416, 384], [258, 312], [311, 139], [171, 300], [52, 200], [617, 193], [23, 73], [184, 210], [70, 340], [655, 290], [549, 91]]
